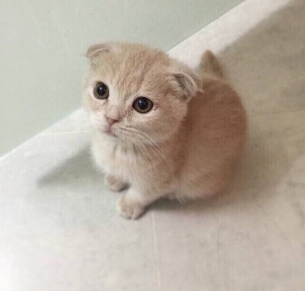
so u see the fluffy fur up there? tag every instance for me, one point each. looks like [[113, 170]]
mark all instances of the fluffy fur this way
[[185, 147]]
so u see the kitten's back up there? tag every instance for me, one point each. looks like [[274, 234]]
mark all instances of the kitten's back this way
[[215, 127]]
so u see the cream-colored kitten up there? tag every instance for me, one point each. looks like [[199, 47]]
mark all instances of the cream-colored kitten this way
[[159, 127]]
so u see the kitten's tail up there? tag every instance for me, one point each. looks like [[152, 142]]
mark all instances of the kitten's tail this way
[[209, 65]]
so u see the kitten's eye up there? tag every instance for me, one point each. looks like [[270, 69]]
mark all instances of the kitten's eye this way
[[142, 105], [101, 91]]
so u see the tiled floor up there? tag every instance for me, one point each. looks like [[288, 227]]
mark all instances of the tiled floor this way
[[58, 225]]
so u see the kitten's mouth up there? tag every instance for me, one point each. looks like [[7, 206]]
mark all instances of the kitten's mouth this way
[[110, 132]]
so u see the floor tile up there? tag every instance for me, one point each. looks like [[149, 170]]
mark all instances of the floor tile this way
[[255, 229], [59, 228]]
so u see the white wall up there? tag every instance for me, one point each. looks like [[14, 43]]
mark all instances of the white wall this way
[[42, 43]]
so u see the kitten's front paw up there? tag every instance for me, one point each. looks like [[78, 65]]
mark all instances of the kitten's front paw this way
[[114, 183], [129, 210]]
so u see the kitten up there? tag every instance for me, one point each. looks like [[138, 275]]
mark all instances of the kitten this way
[[158, 126]]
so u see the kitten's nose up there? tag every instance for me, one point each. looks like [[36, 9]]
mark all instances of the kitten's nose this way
[[111, 121]]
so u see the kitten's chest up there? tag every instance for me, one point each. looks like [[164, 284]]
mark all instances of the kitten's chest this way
[[128, 165]]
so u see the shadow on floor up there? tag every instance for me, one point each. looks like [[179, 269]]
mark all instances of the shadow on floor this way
[[78, 170]]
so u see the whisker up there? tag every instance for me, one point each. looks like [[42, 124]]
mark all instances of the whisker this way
[[154, 149]]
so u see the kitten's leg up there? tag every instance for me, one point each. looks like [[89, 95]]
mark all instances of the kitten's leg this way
[[114, 183], [132, 204]]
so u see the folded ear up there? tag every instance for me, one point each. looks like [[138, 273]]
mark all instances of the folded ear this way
[[188, 84], [97, 49]]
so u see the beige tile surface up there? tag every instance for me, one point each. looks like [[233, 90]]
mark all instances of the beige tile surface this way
[[272, 62], [59, 228], [255, 230]]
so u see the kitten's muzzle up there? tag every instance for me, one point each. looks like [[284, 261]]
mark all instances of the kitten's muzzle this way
[[111, 121], [109, 129]]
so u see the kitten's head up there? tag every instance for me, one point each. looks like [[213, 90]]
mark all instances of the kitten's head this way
[[136, 94]]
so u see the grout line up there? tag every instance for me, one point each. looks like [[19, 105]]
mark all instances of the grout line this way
[[158, 275]]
